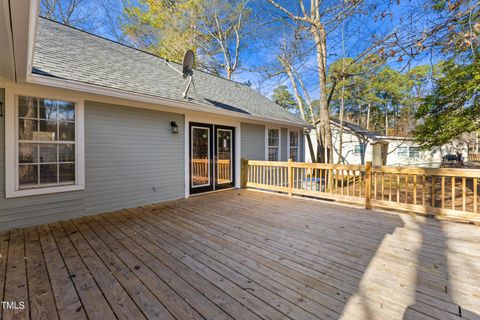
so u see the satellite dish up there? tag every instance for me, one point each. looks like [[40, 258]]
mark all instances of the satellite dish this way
[[187, 70], [188, 61]]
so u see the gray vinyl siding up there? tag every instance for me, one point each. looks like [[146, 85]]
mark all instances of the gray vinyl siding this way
[[131, 159], [284, 143], [253, 141]]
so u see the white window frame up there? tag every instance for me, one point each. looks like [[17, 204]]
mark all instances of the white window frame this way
[[267, 146], [360, 145], [12, 189], [418, 151], [404, 154], [298, 143]]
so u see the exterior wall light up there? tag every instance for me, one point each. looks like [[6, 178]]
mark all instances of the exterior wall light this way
[[174, 126]]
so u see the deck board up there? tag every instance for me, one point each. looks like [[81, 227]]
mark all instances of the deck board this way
[[243, 255]]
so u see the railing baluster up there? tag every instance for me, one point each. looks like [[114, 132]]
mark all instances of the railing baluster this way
[[348, 182], [414, 189], [424, 191], [475, 196], [433, 192], [354, 182], [390, 191], [330, 179], [406, 188], [464, 194], [398, 188], [360, 185], [383, 186], [453, 193], [443, 192]]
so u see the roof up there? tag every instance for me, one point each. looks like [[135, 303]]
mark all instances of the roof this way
[[68, 53], [358, 130]]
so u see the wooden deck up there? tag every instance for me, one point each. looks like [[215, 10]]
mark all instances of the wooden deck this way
[[243, 255]]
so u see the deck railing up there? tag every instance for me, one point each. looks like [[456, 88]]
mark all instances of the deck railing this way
[[441, 191], [474, 157]]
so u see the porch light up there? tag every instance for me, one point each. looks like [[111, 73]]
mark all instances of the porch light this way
[[174, 126]]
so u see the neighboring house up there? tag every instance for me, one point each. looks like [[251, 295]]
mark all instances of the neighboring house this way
[[89, 125], [361, 145]]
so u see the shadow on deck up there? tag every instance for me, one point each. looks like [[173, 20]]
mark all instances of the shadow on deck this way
[[243, 255]]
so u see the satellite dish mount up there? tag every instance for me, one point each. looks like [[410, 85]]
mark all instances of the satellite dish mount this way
[[187, 69]]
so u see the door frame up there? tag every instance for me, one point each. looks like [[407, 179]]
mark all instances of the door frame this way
[[218, 186], [202, 117], [213, 185], [210, 186]]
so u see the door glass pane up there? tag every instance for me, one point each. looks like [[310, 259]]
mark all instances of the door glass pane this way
[[200, 156], [224, 156]]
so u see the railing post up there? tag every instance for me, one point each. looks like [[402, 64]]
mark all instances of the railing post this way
[[244, 174], [290, 177], [368, 185]]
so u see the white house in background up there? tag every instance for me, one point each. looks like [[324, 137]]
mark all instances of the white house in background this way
[[361, 145]]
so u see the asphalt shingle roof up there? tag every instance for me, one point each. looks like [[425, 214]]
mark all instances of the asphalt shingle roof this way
[[358, 129], [68, 53]]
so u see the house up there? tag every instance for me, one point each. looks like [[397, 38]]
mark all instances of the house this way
[[89, 125], [360, 145]]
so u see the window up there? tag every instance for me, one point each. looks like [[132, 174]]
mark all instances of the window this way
[[44, 148], [273, 144], [46, 142], [402, 152], [414, 152], [359, 149], [294, 141]]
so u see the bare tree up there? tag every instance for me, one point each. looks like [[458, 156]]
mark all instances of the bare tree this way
[[227, 25], [69, 12], [319, 21]]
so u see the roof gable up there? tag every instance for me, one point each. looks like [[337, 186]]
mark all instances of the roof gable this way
[[68, 53]]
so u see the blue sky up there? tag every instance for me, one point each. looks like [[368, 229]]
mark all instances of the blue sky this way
[[355, 33]]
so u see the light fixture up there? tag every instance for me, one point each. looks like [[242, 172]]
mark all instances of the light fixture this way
[[174, 126], [1, 109]]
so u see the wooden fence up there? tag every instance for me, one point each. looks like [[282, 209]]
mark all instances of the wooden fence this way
[[443, 191]]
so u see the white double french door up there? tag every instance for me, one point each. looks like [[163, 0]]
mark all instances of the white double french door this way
[[212, 157]]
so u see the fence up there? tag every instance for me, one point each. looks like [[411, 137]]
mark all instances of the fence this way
[[442, 191]]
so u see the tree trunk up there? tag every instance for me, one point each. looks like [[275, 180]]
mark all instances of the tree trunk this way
[[340, 137], [386, 123], [321, 47], [299, 99], [368, 115]]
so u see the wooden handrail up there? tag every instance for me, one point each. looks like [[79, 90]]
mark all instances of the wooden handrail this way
[[444, 191]]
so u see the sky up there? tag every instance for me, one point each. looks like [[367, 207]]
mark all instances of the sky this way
[[349, 38]]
